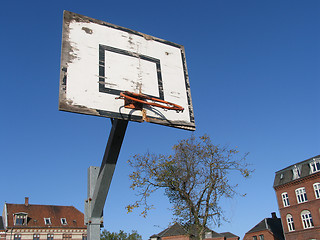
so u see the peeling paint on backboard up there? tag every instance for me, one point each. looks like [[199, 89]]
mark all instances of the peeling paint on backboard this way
[[99, 60]]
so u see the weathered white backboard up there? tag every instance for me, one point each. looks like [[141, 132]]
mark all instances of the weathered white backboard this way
[[99, 60]]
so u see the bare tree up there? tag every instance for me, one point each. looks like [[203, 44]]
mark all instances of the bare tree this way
[[195, 178]]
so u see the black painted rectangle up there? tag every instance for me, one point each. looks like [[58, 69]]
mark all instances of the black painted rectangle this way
[[102, 77]]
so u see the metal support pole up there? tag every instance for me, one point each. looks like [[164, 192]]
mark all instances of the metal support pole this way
[[93, 225], [99, 180]]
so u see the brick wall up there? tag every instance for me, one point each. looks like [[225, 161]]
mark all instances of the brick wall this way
[[216, 238], [184, 237], [266, 234], [295, 209], [2, 235], [233, 238], [179, 237], [304, 235]]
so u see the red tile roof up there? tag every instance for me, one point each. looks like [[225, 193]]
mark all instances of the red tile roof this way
[[37, 213]]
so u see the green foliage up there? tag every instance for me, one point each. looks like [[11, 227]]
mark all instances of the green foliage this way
[[106, 235], [196, 177]]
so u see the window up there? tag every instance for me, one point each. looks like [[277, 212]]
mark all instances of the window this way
[[50, 237], [296, 171], [306, 219], [315, 165], [20, 219], [36, 236], [47, 221], [261, 237], [208, 235], [316, 187], [63, 221], [254, 237], [84, 237], [66, 237], [301, 195], [285, 199], [17, 237], [290, 222]]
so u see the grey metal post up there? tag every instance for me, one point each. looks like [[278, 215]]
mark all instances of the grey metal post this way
[[99, 180], [93, 225]]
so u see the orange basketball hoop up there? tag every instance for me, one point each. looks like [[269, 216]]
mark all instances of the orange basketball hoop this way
[[136, 101]]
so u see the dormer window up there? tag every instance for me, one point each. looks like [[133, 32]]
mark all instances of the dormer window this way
[[296, 171], [47, 221], [20, 218], [208, 235], [63, 221], [315, 165]]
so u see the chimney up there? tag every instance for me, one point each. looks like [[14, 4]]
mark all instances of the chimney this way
[[274, 216], [26, 201]]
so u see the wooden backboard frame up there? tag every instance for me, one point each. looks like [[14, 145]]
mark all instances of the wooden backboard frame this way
[[71, 56]]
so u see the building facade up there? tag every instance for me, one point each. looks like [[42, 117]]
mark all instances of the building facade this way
[[297, 189], [178, 232], [2, 230], [267, 229], [40, 222]]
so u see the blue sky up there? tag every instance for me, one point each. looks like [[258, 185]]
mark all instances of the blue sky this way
[[254, 75]]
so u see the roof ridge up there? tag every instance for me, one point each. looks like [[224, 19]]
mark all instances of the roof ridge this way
[[216, 232], [292, 165], [164, 231], [229, 233], [256, 226], [40, 205]]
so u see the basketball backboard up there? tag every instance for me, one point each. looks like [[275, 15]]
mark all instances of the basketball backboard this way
[[100, 60]]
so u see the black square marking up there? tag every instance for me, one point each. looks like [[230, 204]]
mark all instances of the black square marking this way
[[102, 77]]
